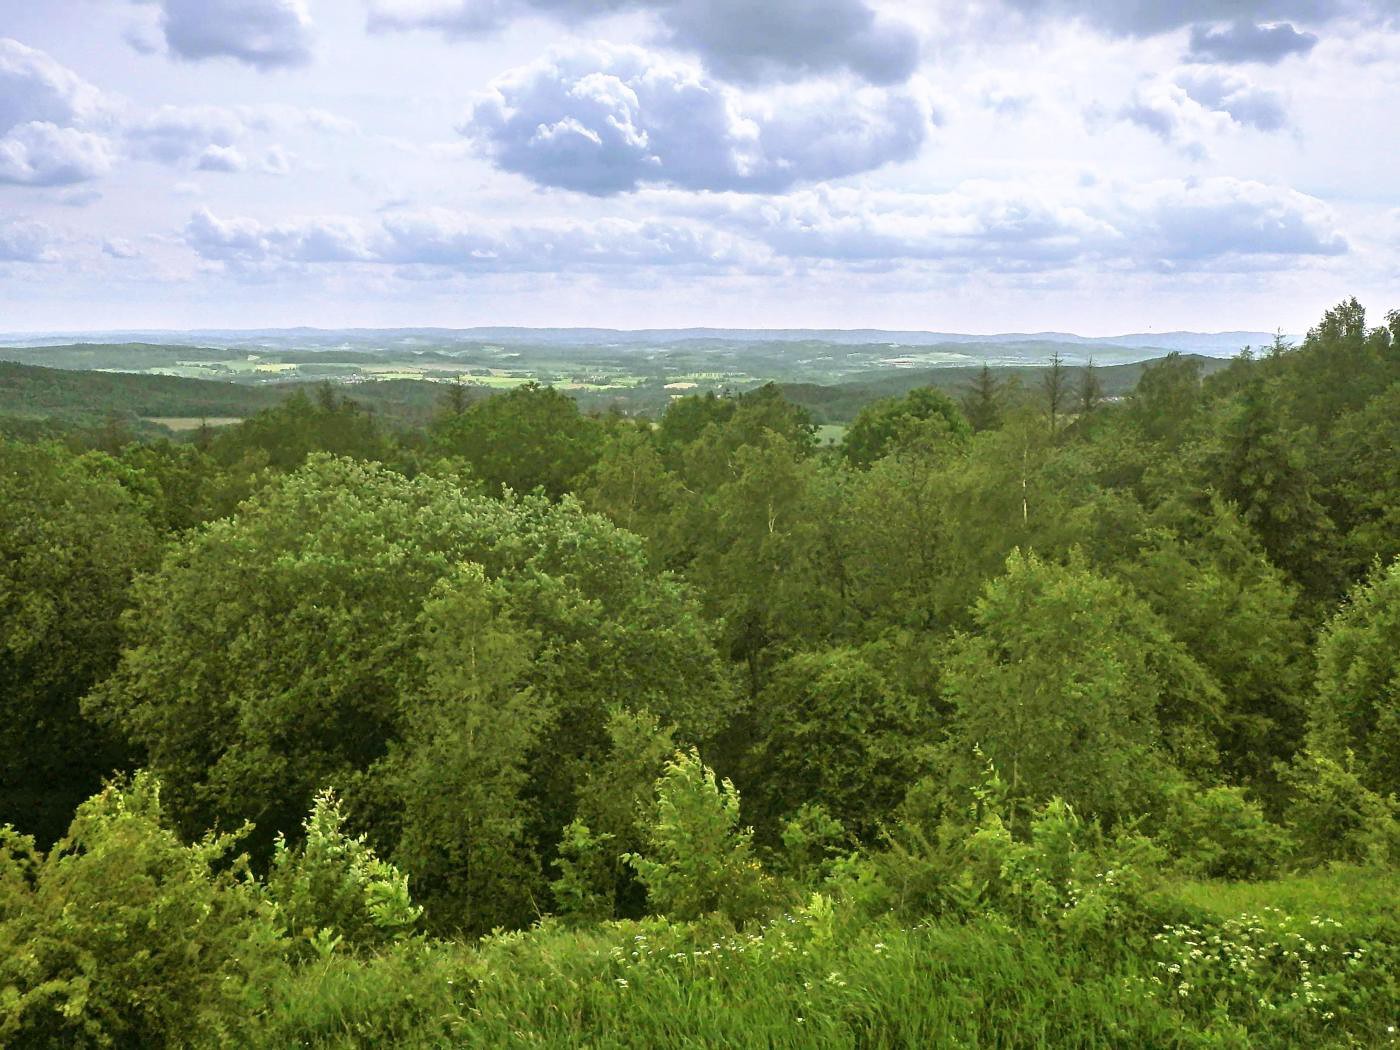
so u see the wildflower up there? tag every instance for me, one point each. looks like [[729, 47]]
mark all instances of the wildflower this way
[[621, 982]]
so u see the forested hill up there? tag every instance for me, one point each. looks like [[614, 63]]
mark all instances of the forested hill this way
[[1023, 717], [75, 396]]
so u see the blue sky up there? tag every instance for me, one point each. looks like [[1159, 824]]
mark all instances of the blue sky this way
[[1092, 165]]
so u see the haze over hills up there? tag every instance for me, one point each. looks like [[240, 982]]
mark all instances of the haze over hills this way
[[1215, 344]]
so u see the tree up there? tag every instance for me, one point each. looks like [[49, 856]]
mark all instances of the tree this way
[[123, 935], [981, 404], [1357, 706], [1262, 465], [462, 766], [277, 651], [1167, 400], [1065, 684], [71, 540], [835, 728], [1207, 577], [1055, 383], [283, 437], [531, 437], [883, 425], [698, 859], [1089, 395]]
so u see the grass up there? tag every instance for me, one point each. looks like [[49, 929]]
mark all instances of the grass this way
[[827, 978]]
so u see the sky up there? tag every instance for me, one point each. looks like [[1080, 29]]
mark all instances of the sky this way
[[1096, 166]]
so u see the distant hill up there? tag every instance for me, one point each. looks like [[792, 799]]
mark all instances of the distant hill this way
[[1214, 344]]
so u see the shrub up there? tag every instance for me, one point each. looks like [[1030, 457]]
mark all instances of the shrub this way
[[1333, 816], [122, 936], [1218, 833], [699, 860], [336, 884]]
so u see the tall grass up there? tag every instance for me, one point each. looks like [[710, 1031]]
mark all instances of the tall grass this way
[[821, 978]]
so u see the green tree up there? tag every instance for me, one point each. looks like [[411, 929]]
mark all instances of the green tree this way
[[835, 728], [881, 425], [124, 936], [982, 403], [1065, 684], [698, 859], [1357, 705], [71, 540], [460, 771], [276, 652], [531, 437]]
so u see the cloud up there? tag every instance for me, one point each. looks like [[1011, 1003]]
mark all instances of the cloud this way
[[25, 242], [41, 154], [1170, 225], [277, 161], [41, 101], [221, 158], [736, 39], [1011, 226], [177, 134], [34, 87], [266, 34], [447, 241], [604, 120], [1247, 42], [1242, 101], [117, 248], [1199, 104], [1143, 18], [1184, 223]]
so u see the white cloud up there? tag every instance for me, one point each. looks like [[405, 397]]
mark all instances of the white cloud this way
[[266, 34], [451, 241], [1015, 226], [41, 154], [605, 119], [43, 107], [118, 248], [34, 87], [25, 242], [221, 158], [1199, 104], [177, 134]]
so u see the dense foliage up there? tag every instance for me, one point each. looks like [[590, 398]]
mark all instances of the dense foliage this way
[[928, 739]]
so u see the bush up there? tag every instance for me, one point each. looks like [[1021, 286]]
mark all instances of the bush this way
[[333, 889], [1334, 817], [1218, 833], [699, 860], [123, 936]]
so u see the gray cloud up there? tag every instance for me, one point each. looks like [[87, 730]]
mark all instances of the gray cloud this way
[[605, 120], [266, 34], [736, 39], [1247, 42], [1142, 18], [25, 242]]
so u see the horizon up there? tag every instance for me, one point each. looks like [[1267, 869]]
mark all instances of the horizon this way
[[1015, 166]]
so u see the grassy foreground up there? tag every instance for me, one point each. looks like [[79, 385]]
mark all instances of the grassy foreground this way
[[1309, 961]]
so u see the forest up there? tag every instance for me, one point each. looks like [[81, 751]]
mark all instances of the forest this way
[[1024, 716]]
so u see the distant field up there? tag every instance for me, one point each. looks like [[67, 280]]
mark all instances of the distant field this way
[[178, 423]]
